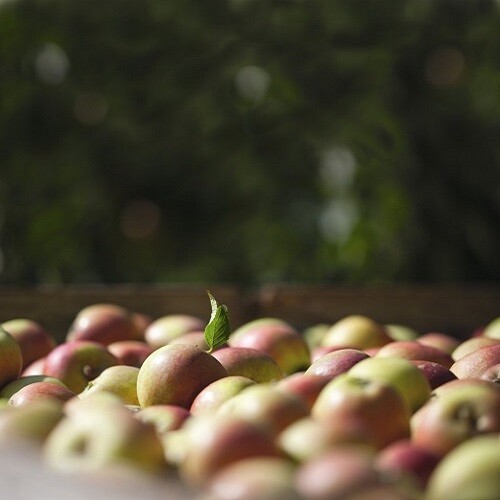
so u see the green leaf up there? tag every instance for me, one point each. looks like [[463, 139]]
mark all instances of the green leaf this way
[[218, 329]]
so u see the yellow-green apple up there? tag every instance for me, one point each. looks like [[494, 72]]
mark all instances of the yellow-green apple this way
[[472, 344], [76, 363], [120, 380], [436, 373], [370, 407], [11, 359], [471, 471], [32, 423], [411, 349], [492, 329], [35, 368], [40, 391], [34, 340], [175, 374], [101, 434], [196, 338], [215, 394], [22, 381], [401, 373], [357, 332], [406, 457], [456, 415], [304, 385], [334, 363], [265, 478], [250, 363], [267, 405], [492, 374], [215, 441], [103, 323], [313, 335], [443, 341], [165, 418], [401, 332], [282, 342], [164, 329], [465, 382], [130, 352], [472, 365]]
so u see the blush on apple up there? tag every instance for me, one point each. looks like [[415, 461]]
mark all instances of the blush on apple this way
[[166, 328], [436, 373], [334, 363], [472, 365], [411, 349]]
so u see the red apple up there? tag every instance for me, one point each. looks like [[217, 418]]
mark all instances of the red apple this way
[[304, 385], [35, 368], [436, 373], [23, 381], [11, 359], [440, 340], [472, 344], [196, 338], [334, 363], [472, 365], [163, 330], [40, 391], [130, 352], [411, 349]]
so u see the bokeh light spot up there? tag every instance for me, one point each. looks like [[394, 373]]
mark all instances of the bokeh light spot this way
[[252, 82], [51, 64]]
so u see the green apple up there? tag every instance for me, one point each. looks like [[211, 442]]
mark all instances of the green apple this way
[[175, 374], [22, 381], [400, 373], [76, 363], [413, 350], [11, 358], [472, 344], [166, 328], [471, 471], [492, 329], [250, 363], [313, 335], [33, 339], [356, 332], [215, 394], [165, 418], [40, 391], [401, 332], [120, 380]]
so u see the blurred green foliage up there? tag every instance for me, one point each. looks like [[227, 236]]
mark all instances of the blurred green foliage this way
[[338, 141]]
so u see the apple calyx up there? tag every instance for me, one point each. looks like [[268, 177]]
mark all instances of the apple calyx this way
[[218, 329]]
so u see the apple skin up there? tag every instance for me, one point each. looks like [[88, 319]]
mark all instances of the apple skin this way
[[11, 359], [436, 373], [99, 433], [23, 381], [401, 332], [40, 391], [411, 350], [35, 368], [256, 477], [406, 457], [164, 329], [470, 471], [196, 338], [440, 340], [76, 363], [472, 344], [175, 374], [472, 365], [165, 418], [120, 380], [304, 385], [401, 373], [103, 323], [334, 363], [130, 352], [250, 363], [33, 339], [492, 374], [215, 394], [282, 342], [357, 332], [492, 329], [455, 415], [366, 407]]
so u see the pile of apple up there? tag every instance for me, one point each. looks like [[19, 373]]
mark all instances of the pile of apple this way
[[354, 410]]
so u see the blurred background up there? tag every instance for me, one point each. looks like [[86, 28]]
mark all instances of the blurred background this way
[[236, 141]]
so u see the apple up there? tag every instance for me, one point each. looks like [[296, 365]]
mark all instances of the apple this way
[[366, 407], [356, 331], [492, 374], [401, 332], [163, 330], [334, 363], [455, 415], [33, 339], [436, 373], [40, 391], [165, 418], [100, 434], [472, 365], [411, 349], [175, 374], [103, 323], [314, 334], [267, 405], [130, 352], [215, 441], [440, 340], [35, 368], [304, 385], [254, 477], [471, 471], [23, 381], [215, 394], [321, 350], [492, 329], [250, 363], [282, 342], [400, 373], [196, 338], [141, 321], [11, 359], [258, 323], [120, 380], [472, 344], [76, 363]]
